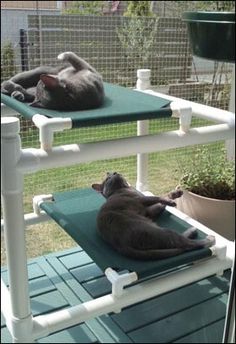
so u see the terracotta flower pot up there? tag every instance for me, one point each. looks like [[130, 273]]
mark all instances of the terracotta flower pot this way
[[218, 215]]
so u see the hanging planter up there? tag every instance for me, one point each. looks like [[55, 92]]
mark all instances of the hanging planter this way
[[212, 34]]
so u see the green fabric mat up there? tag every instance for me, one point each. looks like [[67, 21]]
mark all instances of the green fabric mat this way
[[76, 212], [121, 105]]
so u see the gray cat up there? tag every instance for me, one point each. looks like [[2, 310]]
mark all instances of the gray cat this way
[[74, 86], [126, 222]]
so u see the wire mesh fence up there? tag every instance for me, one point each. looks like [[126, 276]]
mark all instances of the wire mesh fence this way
[[35, 32]]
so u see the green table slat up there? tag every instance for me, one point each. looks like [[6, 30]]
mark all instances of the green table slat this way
[[178, 325], [208, 334], [161, 307]]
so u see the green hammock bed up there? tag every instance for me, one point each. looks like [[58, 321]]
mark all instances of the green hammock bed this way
[[121, 105], [76, 211]]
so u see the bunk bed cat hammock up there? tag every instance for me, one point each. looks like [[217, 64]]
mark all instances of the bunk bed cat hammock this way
[[75, 211]]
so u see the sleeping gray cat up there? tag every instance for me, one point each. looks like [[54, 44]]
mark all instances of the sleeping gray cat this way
[[74, 86], [126, 222]]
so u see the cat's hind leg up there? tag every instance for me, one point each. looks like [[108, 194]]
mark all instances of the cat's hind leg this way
[[207, 242], [77, 62], [186, 240], [153, 211], [190, 233]]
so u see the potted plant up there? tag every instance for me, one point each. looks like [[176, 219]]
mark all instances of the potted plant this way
[[208, 183]]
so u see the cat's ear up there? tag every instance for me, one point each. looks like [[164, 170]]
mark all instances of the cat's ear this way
[[50, 81], [97, 187]]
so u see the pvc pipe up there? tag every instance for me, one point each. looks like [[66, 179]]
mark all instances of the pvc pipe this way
[[47, 127], [232, 92], [142, 159], [33, 159], [143, 79], [143, 83], [229, 327], [230, 144], [119, 281], [14, 324], [211, 113], [5, 301], [14, 230], [56, 321], [31, 219], [12, 203], [184, 113], [200, 110], [37, 200]]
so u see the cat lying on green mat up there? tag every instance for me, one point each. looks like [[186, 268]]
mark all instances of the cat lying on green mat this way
[[126, 222], [75, 85]]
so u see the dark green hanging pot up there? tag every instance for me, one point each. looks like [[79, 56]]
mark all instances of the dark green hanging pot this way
[[212, 34]]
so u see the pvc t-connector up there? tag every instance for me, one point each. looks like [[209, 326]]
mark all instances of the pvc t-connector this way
[[37, 200], [143, 81], [47, 127], [184, 113], [119, 281]]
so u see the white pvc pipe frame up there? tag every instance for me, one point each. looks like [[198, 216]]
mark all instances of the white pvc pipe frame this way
[[16, 307]]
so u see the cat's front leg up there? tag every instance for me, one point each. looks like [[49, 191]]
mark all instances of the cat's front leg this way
[[14, 90], [150, 200], [7, 87], [22, 95], [18, 96]]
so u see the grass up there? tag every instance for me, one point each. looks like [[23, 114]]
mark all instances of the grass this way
[[164, 173], [42, 239]]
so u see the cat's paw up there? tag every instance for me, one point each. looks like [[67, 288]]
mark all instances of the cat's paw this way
[[18, 96], [64, 56], [171, 203], [211, 240], [175, 194]]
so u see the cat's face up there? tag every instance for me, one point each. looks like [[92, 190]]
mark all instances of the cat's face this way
[[53, 93], [113, 182]]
